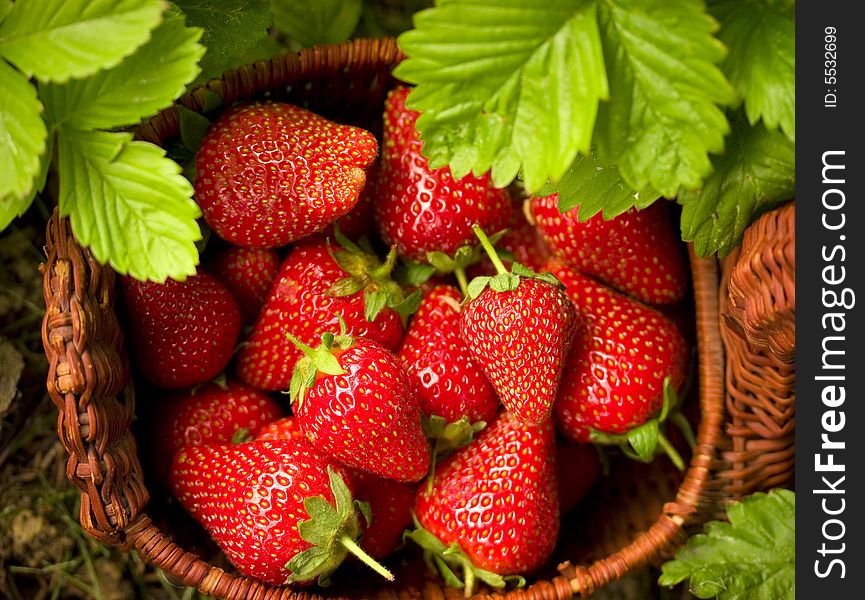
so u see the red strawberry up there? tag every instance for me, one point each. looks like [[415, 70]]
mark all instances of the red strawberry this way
[[390, 502], [423, 210], [445, 375], [390, 506], [356, 404], [271, 173], [637, 252], [577, 469], [519, 330], [303, 303], [182, 332], [614, 379], [248, 273], [497, 499], [286, 428], [213, 413], [262, 502], [360, 220]]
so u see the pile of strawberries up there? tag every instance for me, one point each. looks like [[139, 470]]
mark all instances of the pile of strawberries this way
[[427, 406]]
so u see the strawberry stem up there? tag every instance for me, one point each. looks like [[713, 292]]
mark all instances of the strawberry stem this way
[[300, 345], [352, 546], [385, 269], [491, 252], [670, 451], [462, 281]]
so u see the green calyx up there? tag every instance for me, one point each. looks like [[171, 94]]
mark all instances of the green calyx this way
[[446, 437], [643, 442], [366, 272], [503, 280], [321, 359], [455, 567], [333, 530]]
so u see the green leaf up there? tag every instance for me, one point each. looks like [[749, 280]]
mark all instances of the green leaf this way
[[153, 76], [316, 21], [22, 142], [756, 174], [750, 558], [597, 187], [374, 302], [5, 7], [662, 120], [644, 440], [761, 64], [231, 29], [55, 40], [193, 128], [505, 282], [477, 285], [128, 203], [505, 85]]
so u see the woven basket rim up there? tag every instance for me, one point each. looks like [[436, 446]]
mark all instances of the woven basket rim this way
[[694, 501]]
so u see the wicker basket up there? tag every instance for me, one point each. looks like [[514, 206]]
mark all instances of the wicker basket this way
[[644, 510]]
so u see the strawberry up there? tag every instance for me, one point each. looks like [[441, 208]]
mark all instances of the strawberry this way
[[448, 381], [420, 209], [519, 326], [216, 412], [181, 332], [311, 293], [390, 502], [637, 252], [286, 428], [356, 404], [360, 221], [614, 379], [271, 173], [248, 273], [390, 505], [280, 511], [497, 500]]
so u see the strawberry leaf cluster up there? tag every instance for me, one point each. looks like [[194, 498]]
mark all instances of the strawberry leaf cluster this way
[[752, 557], [614, 103]]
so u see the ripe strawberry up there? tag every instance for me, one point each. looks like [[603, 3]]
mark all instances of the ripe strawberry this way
[[519, 330], [356, 404], [448, 381], [286, 428], [182, 332], [614, 378], [390, 505], [212, 413], [248, 273], [360, 220], [390, 502], [577, 469], [262, 503], [421, 209], [637, 253], [271, 173], [497, 499], [303, 303]]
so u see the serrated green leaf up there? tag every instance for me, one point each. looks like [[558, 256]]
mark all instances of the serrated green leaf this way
[[128, 203], [55, 40], [231, 29], [663, 118], [750, 558], [596, 187], [761, 63], [311, 22], [505, 85], [755, 174], [154, 75], [22, 142]]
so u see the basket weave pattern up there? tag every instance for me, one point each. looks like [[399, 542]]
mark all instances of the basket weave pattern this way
[[90, 384]]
